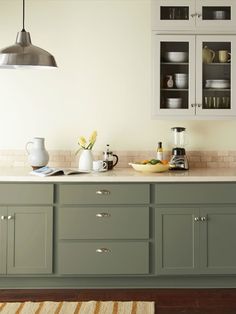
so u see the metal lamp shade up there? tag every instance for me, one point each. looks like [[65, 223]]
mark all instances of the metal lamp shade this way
[[24, 54]]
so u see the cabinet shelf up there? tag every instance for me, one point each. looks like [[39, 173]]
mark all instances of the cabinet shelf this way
[[175, 89], [216, 90], [175, 63], [217, 63]]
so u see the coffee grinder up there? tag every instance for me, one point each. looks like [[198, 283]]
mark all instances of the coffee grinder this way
[[179, 159]]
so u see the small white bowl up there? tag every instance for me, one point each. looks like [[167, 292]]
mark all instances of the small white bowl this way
[[173, 103], [181, 83], [217, 84], [176, 56]]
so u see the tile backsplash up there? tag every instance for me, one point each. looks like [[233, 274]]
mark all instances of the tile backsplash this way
[[65, 158]]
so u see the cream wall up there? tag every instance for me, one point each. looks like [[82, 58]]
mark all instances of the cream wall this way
[[103, 50]]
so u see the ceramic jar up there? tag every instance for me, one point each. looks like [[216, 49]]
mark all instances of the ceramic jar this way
[[37, 155], [86, 160]]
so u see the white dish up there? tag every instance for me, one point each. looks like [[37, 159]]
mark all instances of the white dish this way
[[173, 103], [176, 56], [217, 84], [219, 15]]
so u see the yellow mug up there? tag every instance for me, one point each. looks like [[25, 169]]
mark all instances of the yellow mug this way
[[224, 56]]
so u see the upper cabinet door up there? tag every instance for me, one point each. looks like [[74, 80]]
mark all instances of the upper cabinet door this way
[[215, 75], [216, 15], [173, 15], [173, 75]]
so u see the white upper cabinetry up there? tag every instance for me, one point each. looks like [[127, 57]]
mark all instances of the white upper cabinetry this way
[[194, 15], [194, 68]]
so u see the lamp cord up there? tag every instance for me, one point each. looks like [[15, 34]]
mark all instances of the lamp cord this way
[[23, 29]]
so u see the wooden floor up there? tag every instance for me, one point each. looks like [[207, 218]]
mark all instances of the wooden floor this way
[[167, 301]]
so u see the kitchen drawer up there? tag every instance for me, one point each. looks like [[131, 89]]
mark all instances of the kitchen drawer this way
[[104, 223], [201, 193], [103, 193], [96, 258], [25, 193]]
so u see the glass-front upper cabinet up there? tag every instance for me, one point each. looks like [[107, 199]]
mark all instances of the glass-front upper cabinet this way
[[173, 75], [173, 15], [187, 15], [216, 14], [215, 75]]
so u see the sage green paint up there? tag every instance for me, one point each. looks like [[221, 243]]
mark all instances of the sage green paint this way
[[118, 194], [116, 222], [195, 193], [3, 240], [218, 240], [25, 193], [123, 258], [30, 240], [186, 246]]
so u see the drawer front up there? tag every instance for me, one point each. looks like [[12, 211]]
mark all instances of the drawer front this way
[[104, 194], [104, 223], [202, 193], [104, 258], [17, 194]]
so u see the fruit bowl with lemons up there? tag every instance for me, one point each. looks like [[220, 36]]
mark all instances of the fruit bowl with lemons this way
[[152, 165]]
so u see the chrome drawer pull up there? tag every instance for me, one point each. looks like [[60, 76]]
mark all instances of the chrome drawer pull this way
[[103, 192], [103, 215], [3, 217], [103, 250]]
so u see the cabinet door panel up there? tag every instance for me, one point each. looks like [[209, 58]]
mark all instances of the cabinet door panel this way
[[216, 15], [218, 240], [177, 241], [182, 74], [30, 240], [3, 240], [170, 15], [216, 75]]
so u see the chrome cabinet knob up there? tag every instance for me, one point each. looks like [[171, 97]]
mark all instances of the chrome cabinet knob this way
[[3, 217], [203, 219], [193, 15], [103, 192], [103, 250], [103, 215], [10, 217], [199, 105], [199, 15], [196, 218], [193, 105]]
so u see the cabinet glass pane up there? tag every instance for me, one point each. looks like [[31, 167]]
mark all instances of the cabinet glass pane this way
[[216, 75], [216, 13], [174, 13], [174, 75]]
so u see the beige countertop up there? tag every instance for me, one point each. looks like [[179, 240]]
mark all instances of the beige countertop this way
[[124, 175]]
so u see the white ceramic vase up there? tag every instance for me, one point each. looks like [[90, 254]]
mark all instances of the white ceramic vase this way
[[37, 155], [86, 160]]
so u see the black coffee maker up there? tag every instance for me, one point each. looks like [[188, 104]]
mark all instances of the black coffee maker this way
[[179, 159]]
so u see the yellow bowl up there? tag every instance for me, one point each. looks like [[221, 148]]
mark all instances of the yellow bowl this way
[[149, 167]]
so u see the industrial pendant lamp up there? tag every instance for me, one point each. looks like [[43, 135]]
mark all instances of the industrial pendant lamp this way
[[23, 54]]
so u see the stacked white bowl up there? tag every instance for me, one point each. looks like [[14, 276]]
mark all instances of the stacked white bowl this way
[[181, 80], [173, 103], [176, 56]]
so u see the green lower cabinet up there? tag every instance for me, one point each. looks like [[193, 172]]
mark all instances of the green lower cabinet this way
[[26, 240], [196, 241]]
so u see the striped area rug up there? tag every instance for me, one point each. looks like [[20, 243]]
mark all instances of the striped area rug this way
[[90, 307]]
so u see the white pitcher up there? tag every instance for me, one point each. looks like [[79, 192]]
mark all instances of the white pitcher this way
[[37, 155]]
